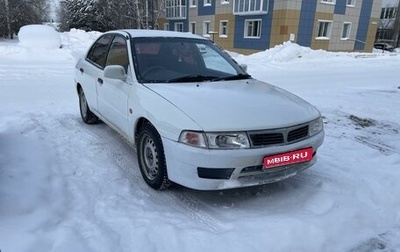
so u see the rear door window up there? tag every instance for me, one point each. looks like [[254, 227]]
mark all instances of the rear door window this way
[[98, 52]]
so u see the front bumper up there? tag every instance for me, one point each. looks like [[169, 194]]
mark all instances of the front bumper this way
[[205, 169]]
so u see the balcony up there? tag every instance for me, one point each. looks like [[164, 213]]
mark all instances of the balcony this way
[[175, 9], [250, 7]]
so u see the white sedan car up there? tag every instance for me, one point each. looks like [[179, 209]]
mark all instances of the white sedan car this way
[[196, 117]]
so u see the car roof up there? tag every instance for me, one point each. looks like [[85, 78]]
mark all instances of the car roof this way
[[136, 33]]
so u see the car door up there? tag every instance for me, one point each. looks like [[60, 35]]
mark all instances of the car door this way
[[112, 93], [91, 70]]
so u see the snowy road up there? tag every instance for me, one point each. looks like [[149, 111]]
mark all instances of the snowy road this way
[[67, 186]]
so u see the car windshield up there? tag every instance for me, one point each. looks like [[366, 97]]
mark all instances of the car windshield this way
[[172, 60]]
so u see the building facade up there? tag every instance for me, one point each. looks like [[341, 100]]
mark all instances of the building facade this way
[[387, 21], [248, 26]]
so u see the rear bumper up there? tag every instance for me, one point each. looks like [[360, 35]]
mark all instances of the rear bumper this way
[[205, 169]]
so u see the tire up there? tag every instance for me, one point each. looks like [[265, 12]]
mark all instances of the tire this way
[[152, 159], [87, 115]]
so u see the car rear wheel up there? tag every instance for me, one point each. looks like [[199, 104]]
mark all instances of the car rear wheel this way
[[152, 159], [87, 115]]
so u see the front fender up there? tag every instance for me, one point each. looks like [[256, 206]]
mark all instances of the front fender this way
[[168, 119]]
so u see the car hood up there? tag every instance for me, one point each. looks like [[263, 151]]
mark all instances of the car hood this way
[[237, 105]]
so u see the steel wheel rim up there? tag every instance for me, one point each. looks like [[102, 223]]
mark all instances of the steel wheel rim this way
[[149, 158]]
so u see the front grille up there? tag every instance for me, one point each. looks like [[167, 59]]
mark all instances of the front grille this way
[[297, 134], [280, 136], [265, 139]]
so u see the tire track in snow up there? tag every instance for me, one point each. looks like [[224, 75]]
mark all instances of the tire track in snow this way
[[70, 211], [180, 199], [32, 72], [124, 157], [91, 227], [198, 211], [375, 134], [386, 241]]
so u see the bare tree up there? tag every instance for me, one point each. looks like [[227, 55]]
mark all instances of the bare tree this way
[[396, 31], [157, 10], [386, 21], [8, 23], [102, 15], [389, 24], [144, 13], [17, 13]]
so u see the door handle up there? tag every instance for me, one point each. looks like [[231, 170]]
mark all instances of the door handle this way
[[81, 70], [100, 81]]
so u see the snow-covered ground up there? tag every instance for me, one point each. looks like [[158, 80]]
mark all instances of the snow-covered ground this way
[[67, 186]]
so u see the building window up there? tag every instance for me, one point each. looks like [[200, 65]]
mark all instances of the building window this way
[[346, 30], [175, 9], [351, 3], [246, 7], [178, 27], [224, 1], [223, 28], [207, 2], [328, 1], [192, 3], [252, 28], [193, 27], [385, 34], [206, 28], [388, 13], [166, 26], [324, 29]]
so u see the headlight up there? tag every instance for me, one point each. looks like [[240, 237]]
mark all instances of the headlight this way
[[227, 140], [316, 126], [215, 140], [193, 138]]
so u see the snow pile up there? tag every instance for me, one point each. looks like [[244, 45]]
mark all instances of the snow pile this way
[[380, 51], [286, 52], [42, 43], [39, 36], [39, 44], [78, 41]]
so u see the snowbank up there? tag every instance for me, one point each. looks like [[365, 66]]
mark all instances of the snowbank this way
[[78, 41], [288, 52], [39, 36], [41, 44]]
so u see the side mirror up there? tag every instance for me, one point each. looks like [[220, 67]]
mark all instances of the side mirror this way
[[115, 72], [244, 67]]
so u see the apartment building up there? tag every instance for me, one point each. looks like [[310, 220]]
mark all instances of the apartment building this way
[[387, 21], [248, 26]]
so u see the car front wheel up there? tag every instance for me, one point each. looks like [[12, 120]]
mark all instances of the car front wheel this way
[[151, 158], [87, 115]]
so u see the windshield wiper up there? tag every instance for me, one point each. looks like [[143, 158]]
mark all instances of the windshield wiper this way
[[192, 77], [234, 77]]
